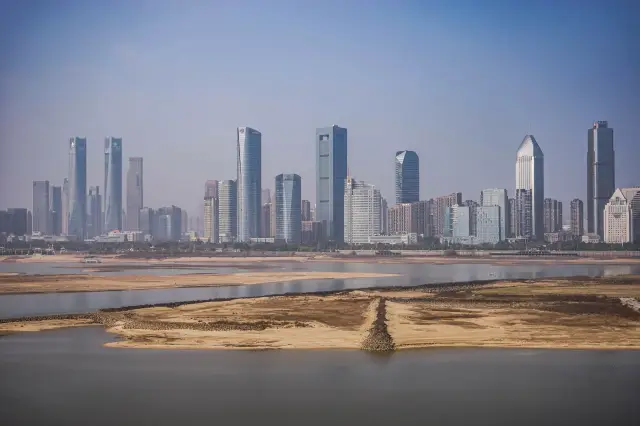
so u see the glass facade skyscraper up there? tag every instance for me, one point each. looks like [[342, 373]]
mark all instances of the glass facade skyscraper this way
[[530, 177], [601, 179], [489, 224], [56, 210], [288, 208], [331, 174], [77, 188], [407, 177], [227, 208], [135, 200], [497, 197], [112, 184], [41, 205], [249, 183]]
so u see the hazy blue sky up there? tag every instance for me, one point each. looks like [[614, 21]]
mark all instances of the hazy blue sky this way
[[460, 82]]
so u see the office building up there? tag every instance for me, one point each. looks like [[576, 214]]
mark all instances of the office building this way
[[184, 222], [310, 234], [112, 184], [622, 217], [41, 203], [306, 210], [552, 215], [530, 177], [266, 196], [56, 210], [94, 216], [498, 197], [135, 199], [228, 219], [489, 224], [169, 225], [147, 221], [288, 208], [16, 221], [513, 213], [424, 219], [384, 217], [403, 219], [601, 182], [460, 222], [76, 227], [249, 183], [577, 217], [211, 212], [331, 174], [407, 177], [361, 212], [439, 206]]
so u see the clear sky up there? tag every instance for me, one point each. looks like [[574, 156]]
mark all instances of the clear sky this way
[[460, 82]]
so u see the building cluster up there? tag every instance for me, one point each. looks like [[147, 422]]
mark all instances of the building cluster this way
[[347, 210]]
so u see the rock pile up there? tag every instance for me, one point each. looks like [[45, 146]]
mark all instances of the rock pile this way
[[378, 338]]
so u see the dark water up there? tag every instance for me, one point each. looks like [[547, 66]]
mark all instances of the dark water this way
[[12, 306], [66, 377]]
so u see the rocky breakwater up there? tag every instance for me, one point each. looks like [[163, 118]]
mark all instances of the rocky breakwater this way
[[378, 338]]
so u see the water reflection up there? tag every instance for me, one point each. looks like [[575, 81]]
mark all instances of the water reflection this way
[[411, 274]]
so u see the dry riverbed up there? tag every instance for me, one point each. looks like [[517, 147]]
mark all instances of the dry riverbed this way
[[562, 313]]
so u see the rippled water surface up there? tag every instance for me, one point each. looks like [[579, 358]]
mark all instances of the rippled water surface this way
[[65, 377]]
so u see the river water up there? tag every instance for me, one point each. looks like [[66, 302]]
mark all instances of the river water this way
[[12, 306], [66, 377]]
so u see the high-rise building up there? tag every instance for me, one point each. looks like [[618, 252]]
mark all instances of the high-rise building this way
[[513, 213], [249, 183], [424, 210], [266, 196], [211, 212], [228, 219], [473, 206], [498, 197], [577, 217], [523, 212], [94, 217], [439, 207], [56, 210], [169, 225], [622, 216], [147, 221], [310, 232], [184, 221], [77, 188], [135, 199], [384, 217], [460, 221], [489, 224], [40, 212], [18, 221], [601, 182], [112, 184], [361, 211], [306, 210], [403, 218], [530, 177], [267, 216], [288, 208], [64, 229], [552, 215], [407, 177], [331, 174]]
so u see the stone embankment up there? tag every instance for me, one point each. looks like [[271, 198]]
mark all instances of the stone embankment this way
[[50, 318], [378, 338], [631, 303]]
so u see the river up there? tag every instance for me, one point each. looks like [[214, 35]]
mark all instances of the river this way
[[66, 377], [13, 306]]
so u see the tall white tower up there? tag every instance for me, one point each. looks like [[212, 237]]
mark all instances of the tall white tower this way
[[530, 181]]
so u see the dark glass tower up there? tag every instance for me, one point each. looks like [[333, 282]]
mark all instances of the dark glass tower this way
[[407, 177], [601, 181]]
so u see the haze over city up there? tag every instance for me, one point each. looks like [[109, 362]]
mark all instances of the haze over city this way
[[459, 84]]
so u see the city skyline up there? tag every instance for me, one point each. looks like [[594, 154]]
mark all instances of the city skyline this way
[[456, 112]]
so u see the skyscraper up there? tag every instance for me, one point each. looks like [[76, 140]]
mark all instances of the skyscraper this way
[[288, 208], [361, 211], [211, 212], [249, 183], [306, 210], [577, 217], [497, 197], [135, 200], [77, 188], [601, 182], [407, 177], [40, 212], [530, 177], [331, 173], [228, 219], [94, 218], [439, 206], [56, 210], [65, 207], [112, 184]]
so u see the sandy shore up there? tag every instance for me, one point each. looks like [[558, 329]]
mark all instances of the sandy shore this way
[[565, 313], [51, 324], [14, 284]]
